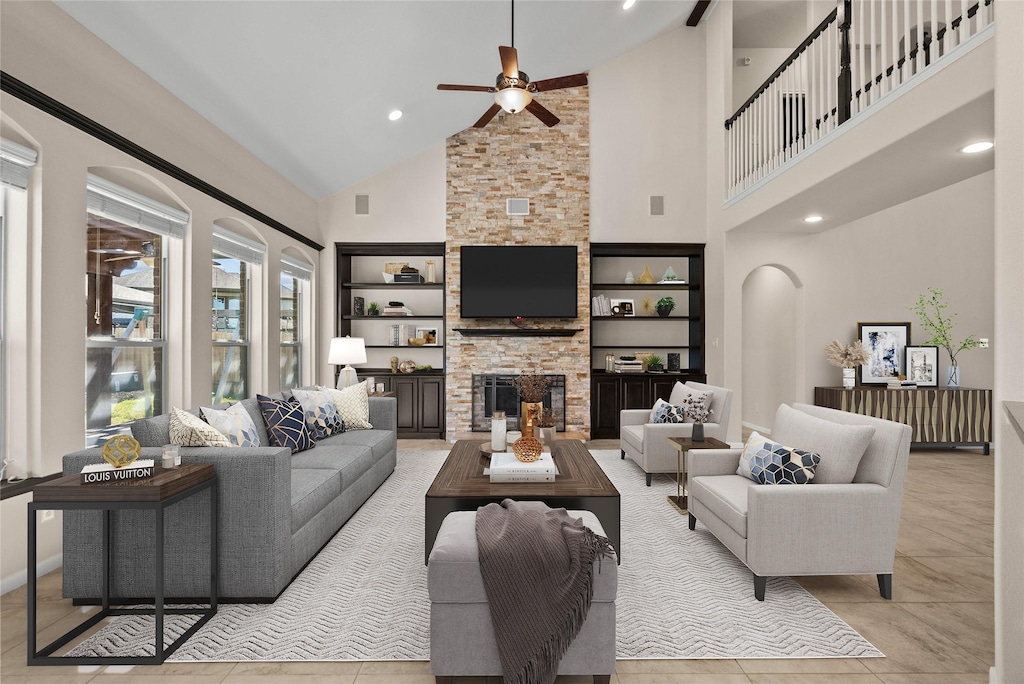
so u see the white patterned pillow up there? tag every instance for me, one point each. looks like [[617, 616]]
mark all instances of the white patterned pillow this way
[[235, 423], [353, 406], [321, 414], [768, 462], [189, 430], [665, 412]]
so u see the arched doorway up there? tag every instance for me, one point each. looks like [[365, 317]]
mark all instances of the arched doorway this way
[[771, 344]]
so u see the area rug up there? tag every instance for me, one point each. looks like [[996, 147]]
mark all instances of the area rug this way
[[364, 597]]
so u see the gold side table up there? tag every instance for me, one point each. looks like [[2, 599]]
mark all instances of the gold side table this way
[[682, 445]]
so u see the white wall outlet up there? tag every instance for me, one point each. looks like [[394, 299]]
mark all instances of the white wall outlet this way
[[983, 342], [49, 515]]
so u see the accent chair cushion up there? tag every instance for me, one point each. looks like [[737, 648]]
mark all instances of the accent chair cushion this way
[[353, 404], [769, 462], [841, 446], [235, 424], [322, 415], [186, 429], [286, 423]]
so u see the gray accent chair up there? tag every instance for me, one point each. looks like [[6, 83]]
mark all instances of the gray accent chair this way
[[811, 529], [275, 512], [462, 641], [647, 443]]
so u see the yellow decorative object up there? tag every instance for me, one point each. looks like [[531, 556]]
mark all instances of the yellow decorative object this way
[[646, 277], [527, 449], [121, 450], [529, 414], [417, 341], [393, 267]]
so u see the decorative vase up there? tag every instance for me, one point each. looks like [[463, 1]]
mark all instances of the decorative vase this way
[[698, 432], [498, 427], [849, 377], [673, 362], [358, 306], [529, 413], [629, 278], [394, 364], [953, 377], [646, 277]]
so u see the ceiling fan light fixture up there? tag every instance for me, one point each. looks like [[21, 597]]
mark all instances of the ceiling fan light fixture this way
[[513, 99]]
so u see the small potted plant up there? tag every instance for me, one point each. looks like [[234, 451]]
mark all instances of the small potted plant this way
[[546, 426], [655, 364], [373, 309], [847, 357], [929, 309], [665, 306]]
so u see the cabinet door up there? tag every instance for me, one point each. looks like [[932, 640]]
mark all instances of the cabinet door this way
[[636, 393], [661, 388], [605, 409], [405, 393], [431, 405]]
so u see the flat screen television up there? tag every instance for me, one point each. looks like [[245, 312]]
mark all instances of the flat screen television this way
[[519, 282]]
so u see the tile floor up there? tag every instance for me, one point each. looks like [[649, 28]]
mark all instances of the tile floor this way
[[938, 629]]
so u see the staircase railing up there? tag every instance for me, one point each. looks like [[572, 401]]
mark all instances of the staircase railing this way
[[862, 51]]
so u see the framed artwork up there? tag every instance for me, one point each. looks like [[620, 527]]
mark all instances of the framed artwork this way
[[623, 307], [922, 364], [886, 344], [429, 334]]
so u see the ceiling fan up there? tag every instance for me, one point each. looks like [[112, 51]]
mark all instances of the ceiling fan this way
[[513, 90]]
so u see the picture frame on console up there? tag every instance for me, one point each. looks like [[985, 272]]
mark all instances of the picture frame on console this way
[[623, 307], [922, 364], [429, 334], [886, 344]]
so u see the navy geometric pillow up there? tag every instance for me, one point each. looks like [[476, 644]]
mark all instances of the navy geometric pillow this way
[[772, 463], [286, 423], [667, 413]]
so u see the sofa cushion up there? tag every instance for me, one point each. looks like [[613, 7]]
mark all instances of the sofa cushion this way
[[187, 429], [235, 424], [322, 415], [286, 424], [841, 446], [381, 442], [453, 574], [633, 436], [350, 462], [768, 462], [353, 405], [312, 490], [726, 497]]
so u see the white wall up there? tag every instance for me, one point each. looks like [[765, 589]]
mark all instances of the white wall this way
[[747, 79], [770, 332]]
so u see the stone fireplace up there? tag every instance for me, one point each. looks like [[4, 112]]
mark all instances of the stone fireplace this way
[[493, 392]]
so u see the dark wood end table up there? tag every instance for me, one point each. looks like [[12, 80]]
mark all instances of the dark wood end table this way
[[165, 488], [682, 445]]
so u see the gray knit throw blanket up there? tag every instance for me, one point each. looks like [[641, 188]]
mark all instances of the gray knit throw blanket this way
[[538, 565]]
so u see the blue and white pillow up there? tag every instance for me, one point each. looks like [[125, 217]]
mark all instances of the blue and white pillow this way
[[286, 423], [322, 415], [664, 412], [235, 424], [768, 462]]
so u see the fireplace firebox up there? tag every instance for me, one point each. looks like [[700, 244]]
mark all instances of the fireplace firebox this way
[[495, 393]]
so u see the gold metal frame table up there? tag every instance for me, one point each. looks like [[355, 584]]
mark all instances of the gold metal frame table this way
[[682, 445]]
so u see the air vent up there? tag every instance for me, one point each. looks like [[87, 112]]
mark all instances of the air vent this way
[[657, 205], [362, 205]]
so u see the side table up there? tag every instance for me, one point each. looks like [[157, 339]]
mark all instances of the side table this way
[[682, 445], [165, 488]]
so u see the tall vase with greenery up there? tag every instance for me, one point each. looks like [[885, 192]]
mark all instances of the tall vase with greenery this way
[[931, 309]]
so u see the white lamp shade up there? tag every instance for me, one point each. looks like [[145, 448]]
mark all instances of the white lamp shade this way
[[513, 99], [346, 350]]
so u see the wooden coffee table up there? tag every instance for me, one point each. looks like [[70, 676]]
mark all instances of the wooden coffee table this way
[[461, 485]]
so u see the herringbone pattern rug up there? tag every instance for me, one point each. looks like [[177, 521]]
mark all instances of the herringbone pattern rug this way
[[364, 597]]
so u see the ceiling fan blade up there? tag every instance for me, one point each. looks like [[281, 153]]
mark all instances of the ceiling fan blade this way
[[479, 89], [538, 110], [488, 115], [509, 61], [572, 81]]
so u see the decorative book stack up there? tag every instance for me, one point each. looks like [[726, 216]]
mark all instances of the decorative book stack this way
[[104, 472], [628, 364], [505, 467], [399, 334]]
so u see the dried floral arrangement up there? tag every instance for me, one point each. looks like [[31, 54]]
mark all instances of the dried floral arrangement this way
[[546, 419], [699, 412], [846, 355], [531, 386]]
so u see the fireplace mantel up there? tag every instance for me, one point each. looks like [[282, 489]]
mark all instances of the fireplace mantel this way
[[517, 332]]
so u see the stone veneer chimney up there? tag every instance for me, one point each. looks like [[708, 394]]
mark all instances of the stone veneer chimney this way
[[516, 155]]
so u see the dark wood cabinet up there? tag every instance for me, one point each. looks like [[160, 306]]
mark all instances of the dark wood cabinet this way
[[420, 399], [612, 392], [938, 416]]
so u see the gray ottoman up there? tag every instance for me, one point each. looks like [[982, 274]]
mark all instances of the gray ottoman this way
[[461, 634]]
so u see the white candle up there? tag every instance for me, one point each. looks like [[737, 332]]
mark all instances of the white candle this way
[[498, 427]]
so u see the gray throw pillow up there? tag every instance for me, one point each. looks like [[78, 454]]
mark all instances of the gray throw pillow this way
[[841, 446]]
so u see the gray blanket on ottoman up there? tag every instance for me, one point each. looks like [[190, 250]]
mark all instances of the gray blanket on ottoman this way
[[537, 565]]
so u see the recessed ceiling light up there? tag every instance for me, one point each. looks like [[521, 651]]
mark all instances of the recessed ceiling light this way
[[395, 115], [974, 148], [813, 218], [627, 4]]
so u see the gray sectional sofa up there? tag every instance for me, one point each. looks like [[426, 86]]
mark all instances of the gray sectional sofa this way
[[276, 511]]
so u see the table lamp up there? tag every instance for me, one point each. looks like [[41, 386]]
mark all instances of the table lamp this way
[[346, 351]]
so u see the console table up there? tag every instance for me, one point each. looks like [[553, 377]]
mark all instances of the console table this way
[[938, 416]]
